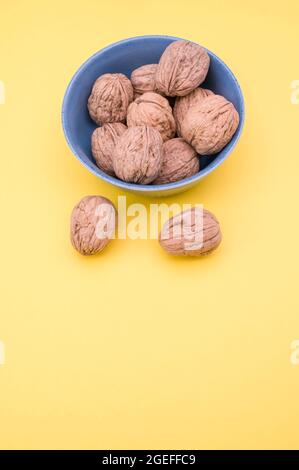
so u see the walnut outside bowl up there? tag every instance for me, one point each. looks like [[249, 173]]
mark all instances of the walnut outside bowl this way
[[125, 56]]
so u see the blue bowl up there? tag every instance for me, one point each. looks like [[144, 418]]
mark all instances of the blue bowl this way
[[124, 57]]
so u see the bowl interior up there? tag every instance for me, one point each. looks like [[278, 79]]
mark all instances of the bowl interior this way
[[124, 57]]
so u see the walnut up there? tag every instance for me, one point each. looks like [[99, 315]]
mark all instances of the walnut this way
[[138, 155], [183, 103], [193, 232], [211, 126], [153, 110], [93, 222], [110, 97], [143, 78], [103, 142], [180, 161], [183, 66]]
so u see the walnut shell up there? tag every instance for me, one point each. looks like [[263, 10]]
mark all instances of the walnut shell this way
[[110, 97], [93, 223], [143, 78], [138, 155], [211, 126], [103, 142], [183, 103], [180, 161], [153, 110], [193, 232], [183, 66]]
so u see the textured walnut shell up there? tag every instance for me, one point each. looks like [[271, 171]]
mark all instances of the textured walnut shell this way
[[110, 97], [179, 161], [183, 103], [103, 143], [211, 126], [93, 222], [138, 155], [183, 66], [193, 232], [153, 110], [143, 78]]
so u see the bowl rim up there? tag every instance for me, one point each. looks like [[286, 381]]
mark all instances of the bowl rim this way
[[150, 187]]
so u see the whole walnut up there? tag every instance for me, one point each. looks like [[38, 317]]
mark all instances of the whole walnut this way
[[143, 78], [152, 109], [103, 143], [110, 97], [193, 232], [183, 66], [211, 126], [183, 103], [93, 223], [138, 155], [180, 161]]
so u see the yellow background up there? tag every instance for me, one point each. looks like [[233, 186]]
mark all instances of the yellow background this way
[[132, 348]]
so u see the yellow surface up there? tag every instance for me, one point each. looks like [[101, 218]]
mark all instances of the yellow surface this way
[[132, 348]]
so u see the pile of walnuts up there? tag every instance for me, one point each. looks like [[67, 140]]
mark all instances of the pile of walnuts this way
[[153, 128], [141, 138]]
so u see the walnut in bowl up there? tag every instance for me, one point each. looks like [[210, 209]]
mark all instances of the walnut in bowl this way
[[153, 110]]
